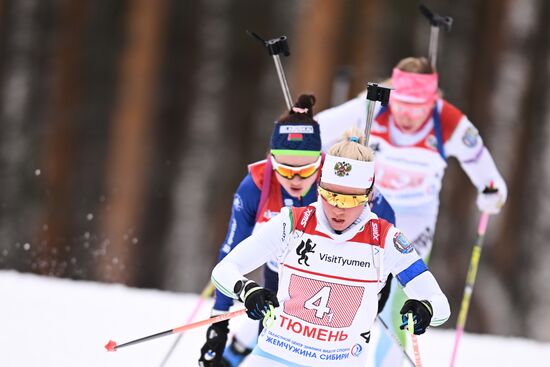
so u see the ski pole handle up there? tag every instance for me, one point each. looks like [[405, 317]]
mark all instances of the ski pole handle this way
[[436, 22], [275, 47], [112, 346], [374, 93]]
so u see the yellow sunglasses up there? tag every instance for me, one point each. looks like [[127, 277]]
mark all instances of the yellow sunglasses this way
[[289, 172], [342, 200]]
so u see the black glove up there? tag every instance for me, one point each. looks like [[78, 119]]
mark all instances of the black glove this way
[[212, 350], [384, 294], [256, 298], [422, 315]]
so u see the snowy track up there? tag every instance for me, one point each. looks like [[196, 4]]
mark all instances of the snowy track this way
[[54, 322]]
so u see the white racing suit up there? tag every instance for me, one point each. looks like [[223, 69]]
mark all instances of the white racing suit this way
[[328, 284]]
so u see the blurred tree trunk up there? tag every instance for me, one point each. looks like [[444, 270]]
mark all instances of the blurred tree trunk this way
[[102, 43], [314, 55], [59, 160], [191, 230], [130, 140], [175, 99], [498, 276], [522, 254], [24, 40], [534, 287], [364, 44]]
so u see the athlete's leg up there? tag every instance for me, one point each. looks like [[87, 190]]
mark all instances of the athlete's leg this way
[[243, 341]]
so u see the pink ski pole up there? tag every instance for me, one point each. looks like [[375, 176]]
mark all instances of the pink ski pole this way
[[416, 349], [112, 346], [206, 293]]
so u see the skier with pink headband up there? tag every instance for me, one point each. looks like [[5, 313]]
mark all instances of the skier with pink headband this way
[[334, 257], [412, 138]]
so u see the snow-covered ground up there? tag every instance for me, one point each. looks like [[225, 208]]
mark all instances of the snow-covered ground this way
[[55, 322]]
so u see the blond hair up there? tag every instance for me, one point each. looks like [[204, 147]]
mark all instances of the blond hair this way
[[347, 148], [418, 65]]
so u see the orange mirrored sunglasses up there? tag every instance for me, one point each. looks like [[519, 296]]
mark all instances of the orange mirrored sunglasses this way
[[289, 172]]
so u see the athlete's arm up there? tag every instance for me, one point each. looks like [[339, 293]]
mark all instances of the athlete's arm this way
[[252, 252], [475, 159], [425, 287], [413, 274], [241, 224]]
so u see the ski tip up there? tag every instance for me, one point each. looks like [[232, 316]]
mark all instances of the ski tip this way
[[111, 346]]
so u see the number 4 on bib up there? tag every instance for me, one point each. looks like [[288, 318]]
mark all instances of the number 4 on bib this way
[[319, 303]]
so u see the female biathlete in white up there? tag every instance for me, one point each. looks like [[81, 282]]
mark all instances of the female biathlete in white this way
[[334, 256], [412, 140], [287, 178]]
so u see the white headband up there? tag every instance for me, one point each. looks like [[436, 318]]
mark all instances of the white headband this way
[[347, 172]]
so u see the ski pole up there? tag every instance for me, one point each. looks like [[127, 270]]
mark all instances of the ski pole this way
[[396, 341], [276, 46], [112, 346], [374, 93], [205, 294], [470, 280], [414, 338], [436, 22]]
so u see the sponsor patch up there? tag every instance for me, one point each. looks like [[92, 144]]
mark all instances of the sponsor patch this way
[[232, 232], [237, 203], [296, 129], [342, 169], [340, 260], [356, 350], [470, 137], [303, 250], [402, 244], [283, 236], [375, 231]]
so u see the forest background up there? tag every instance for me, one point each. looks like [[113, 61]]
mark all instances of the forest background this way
[[126, 126]]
